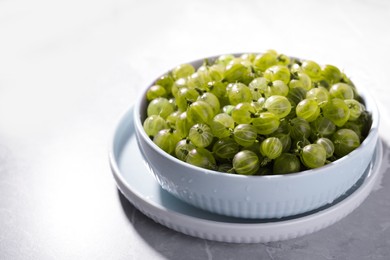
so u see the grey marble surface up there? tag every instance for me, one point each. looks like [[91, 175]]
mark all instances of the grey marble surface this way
[[69, 69]]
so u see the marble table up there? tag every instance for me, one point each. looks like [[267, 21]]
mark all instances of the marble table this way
[[68, 69]]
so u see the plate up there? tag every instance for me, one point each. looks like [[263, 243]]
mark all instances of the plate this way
[[139, 186]]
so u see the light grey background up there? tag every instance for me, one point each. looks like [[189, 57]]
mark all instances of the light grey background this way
[[68, 69]]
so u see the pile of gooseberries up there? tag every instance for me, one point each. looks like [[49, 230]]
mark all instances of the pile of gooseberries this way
[[256, 114]]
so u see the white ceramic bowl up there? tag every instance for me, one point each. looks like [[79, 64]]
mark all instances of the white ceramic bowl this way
[[272, 196]]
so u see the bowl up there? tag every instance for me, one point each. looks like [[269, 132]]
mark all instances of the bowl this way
[[264, 197]]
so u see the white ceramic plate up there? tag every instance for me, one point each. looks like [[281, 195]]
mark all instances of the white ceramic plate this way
[[139, 186]]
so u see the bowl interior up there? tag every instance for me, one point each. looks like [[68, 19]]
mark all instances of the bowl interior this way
[[140, 115]]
